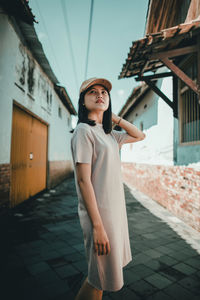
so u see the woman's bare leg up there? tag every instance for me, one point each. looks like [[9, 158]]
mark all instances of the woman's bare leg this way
[[88, 292]]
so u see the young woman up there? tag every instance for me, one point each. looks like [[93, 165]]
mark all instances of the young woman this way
[[101, 208]]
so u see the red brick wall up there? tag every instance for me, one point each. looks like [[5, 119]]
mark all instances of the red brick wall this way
[[175, 187], [4, 185]]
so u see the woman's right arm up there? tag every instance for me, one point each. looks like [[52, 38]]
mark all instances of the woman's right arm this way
[[101, 242]]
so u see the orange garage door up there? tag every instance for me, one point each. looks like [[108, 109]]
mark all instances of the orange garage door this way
[[28, 156]]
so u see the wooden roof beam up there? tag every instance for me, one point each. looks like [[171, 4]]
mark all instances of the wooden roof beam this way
[[159, 92], [154, 77], [174, 52], [180, 74]]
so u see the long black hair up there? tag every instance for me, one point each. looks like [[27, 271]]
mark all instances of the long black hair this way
[[83, 113]]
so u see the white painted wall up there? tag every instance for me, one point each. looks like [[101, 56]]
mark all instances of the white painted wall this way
[[157, 147], [7, 69], [13, 56]]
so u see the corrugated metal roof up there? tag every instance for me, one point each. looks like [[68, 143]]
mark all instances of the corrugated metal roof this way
[[175, 37]]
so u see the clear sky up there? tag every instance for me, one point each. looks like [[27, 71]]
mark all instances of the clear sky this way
[[115, 25]]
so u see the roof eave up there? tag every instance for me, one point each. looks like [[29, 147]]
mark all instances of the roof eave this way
[[135, 97], [141, 50], [64, 97], [19, 9], [36, 48]]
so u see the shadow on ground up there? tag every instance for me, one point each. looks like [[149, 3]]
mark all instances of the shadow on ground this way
[[42, 254]]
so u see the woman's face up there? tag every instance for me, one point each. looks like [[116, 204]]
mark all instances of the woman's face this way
[[97, 98]]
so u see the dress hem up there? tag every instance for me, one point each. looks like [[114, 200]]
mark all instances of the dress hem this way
[[100, 289], [93, 285], [127, 263], [109, 290]]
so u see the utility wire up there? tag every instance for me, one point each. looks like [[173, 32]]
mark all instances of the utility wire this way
[[50, 43], [89, 37], [64, 11]]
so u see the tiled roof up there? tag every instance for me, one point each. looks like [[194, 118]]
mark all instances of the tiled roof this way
[[19, 9], [171, 38], [137, 93]]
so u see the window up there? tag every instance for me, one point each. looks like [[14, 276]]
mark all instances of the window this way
[[59, 112], [189, 107], [68, 121], [47, 97]]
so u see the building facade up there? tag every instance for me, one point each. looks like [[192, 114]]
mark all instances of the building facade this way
[[35, 112], [166, 105], [152, 115]]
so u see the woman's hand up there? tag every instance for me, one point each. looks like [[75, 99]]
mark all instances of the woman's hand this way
[[135, 134], [101, 242]]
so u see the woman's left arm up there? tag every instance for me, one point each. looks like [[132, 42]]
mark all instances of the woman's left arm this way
[[134, 133]]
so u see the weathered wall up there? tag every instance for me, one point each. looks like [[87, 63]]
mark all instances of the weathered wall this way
[[188, 154], [175, 187], [4, 185], [58, 170], [22, 80], [184, 153], [193, 11], [165, 14]]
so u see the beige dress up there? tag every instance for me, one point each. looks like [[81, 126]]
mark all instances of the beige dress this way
[[90, 144]]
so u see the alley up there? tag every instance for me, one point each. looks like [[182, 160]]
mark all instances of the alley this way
[[42, 254]]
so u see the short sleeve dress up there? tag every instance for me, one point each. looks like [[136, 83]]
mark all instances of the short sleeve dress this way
[[90, 144]]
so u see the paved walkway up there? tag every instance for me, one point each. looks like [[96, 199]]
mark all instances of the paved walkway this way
[[42, 254]]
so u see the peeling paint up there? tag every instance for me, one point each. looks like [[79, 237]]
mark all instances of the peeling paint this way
[[50, 103], [48, 97], [42, 84], [31, 80], [22, 71]]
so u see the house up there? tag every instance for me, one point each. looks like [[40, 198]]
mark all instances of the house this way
[[166, 105], [152, 115], [35, 111]]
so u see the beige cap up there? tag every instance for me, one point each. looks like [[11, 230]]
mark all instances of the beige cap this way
[[89, 82]]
